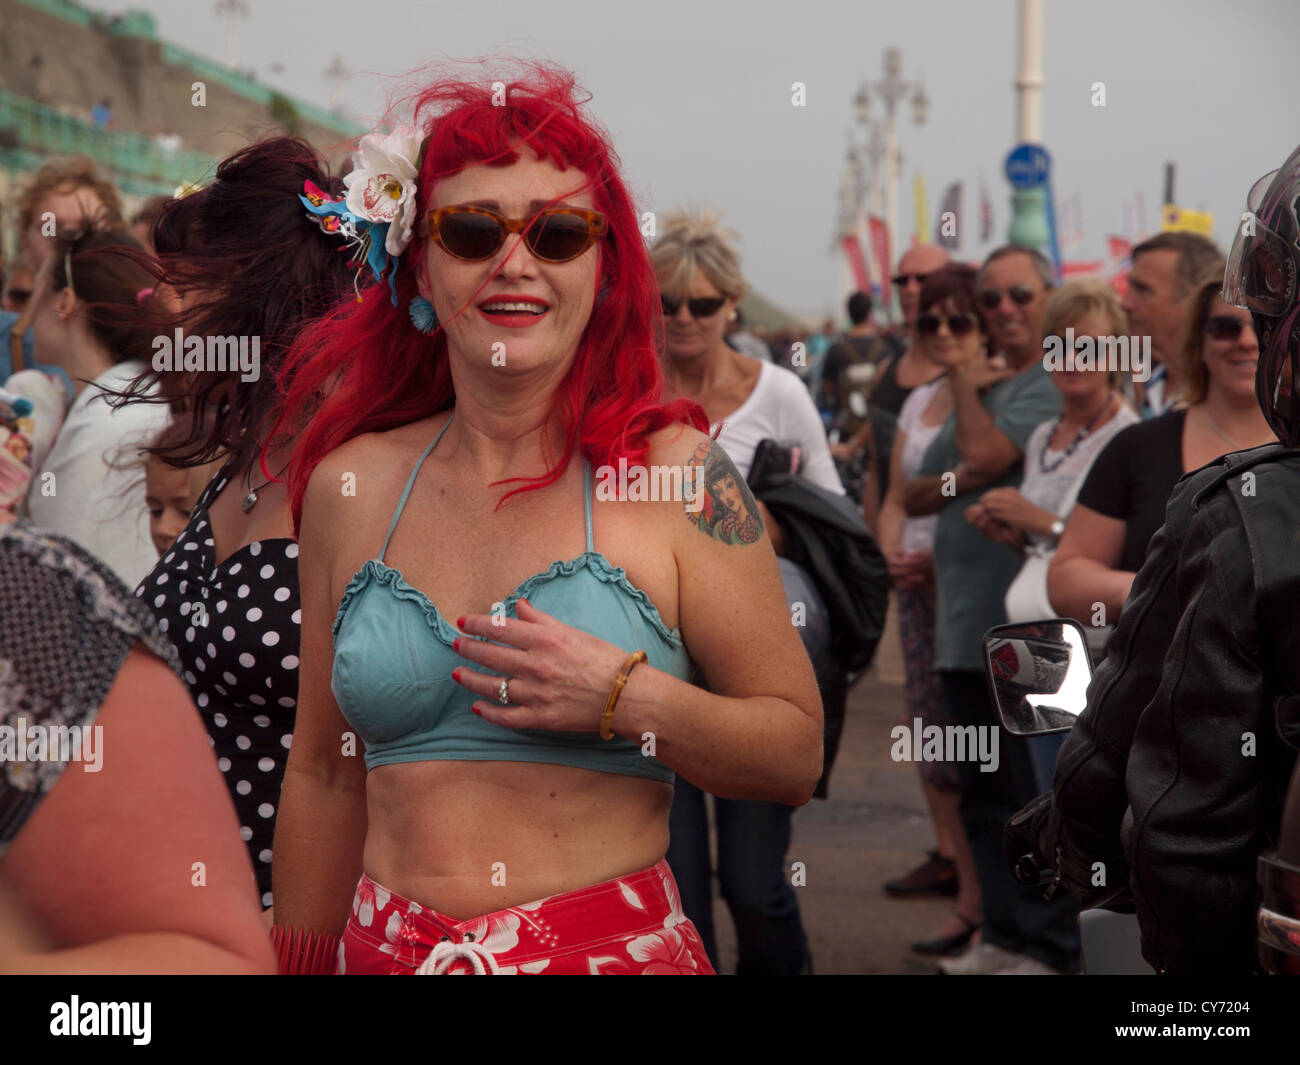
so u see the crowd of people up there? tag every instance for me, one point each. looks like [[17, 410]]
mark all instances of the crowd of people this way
[[498, 755]]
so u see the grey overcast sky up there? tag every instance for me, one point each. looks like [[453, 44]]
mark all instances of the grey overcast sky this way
[[697, 96]]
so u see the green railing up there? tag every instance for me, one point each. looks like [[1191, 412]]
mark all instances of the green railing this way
[[29, 129], [64, 9]]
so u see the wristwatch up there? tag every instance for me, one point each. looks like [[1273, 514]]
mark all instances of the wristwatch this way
[[1058, 528]]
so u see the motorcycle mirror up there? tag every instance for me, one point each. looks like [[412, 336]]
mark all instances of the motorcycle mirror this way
[[1038, 674], [857, 405]]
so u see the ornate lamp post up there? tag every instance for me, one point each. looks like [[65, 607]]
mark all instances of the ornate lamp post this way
[[890, 90]]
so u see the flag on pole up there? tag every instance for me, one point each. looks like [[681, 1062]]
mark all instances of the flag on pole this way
[[986, 214], [1054, 244], [862, 230], [1121, 253], [857, 263], [948, 224], [880, 248]]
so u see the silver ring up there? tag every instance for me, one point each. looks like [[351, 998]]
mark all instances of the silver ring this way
[[503, 693]]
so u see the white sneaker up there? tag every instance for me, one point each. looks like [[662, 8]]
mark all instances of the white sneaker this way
[[983, 958], [1026, 966]]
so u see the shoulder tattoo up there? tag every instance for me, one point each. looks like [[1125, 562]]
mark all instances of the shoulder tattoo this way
[[719, 502]]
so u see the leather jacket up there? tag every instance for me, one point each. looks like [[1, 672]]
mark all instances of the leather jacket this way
[[1173, 778]]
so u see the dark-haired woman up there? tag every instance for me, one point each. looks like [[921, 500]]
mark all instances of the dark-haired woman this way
[[88, 487], [950, 333], [511, 811], [245, 263]]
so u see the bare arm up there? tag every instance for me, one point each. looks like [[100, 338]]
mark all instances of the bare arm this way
[[891, 514], [930, 494], [757, 732], [138, 867], [1085, 569], [984, 447], [320, 830]]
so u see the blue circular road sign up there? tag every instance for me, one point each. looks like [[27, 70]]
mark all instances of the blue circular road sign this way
[[1028, 166]]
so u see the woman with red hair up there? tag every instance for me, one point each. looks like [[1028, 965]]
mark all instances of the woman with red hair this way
[[511, 812]]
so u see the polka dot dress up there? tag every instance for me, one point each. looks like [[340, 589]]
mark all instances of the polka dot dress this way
[[236, 628]]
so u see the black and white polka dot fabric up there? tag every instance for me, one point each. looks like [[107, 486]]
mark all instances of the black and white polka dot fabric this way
[[236, 628]]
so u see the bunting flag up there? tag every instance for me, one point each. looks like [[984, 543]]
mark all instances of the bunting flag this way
[[986, 214], [922, 214], [948, 224]]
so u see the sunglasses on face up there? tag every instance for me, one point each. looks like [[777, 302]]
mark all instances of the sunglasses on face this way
[[959, 325], [1021, 296], [702, 307], [901, 280], [555, 235], [1224, 327], [19, 296]]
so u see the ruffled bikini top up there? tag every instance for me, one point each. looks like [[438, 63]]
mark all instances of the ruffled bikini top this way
[[393, 661]]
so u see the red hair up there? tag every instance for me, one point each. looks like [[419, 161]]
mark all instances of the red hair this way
[[365, 368]]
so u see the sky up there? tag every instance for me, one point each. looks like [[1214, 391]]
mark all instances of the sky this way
[[698, 99]]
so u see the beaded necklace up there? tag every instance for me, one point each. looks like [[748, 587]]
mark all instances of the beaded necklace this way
[[1074, 444]]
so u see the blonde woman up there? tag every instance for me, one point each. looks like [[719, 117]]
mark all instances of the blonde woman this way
[[700, 284], [1059, 454]]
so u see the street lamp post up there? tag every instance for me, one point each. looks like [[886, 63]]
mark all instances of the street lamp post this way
[[1029, 205], [890, 90]]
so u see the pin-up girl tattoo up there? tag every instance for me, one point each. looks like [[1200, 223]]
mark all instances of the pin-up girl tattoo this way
[[725, 508]]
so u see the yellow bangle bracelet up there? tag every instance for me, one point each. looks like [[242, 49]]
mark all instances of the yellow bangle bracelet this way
[[607, 718]]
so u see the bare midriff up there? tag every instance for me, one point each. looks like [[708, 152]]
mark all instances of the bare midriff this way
[[469, 838]]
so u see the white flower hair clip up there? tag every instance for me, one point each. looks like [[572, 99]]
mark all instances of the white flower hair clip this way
[[376, 214]]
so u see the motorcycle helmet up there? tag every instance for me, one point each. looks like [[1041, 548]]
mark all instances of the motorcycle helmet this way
[[1261, 276]]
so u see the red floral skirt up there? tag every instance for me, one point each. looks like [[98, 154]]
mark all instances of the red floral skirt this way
[[631, 925]]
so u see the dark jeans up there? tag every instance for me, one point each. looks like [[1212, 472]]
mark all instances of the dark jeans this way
[[752, 841], [1016, 918]]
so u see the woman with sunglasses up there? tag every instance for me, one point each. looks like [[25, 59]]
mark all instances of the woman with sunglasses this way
[[1061, 451], [950, 333], [522, 704], [747, 402], [1122, 501]]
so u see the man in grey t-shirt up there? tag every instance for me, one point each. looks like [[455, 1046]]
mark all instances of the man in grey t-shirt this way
[[997, 404]]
